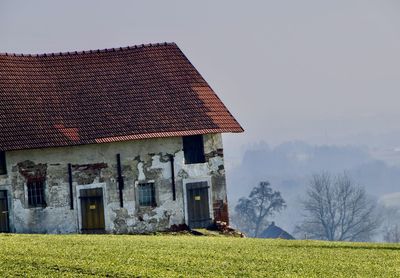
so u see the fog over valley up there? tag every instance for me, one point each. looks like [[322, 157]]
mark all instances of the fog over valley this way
[[289, 167]]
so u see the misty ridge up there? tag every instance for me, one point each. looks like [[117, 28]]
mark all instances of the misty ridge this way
[[290, 166]]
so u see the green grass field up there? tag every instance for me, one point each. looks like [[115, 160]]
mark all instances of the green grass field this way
[[191, 256]]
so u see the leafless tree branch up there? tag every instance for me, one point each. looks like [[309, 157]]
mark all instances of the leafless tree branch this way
[[336, 209]]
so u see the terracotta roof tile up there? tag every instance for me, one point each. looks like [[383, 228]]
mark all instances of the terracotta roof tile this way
[[99, 96]]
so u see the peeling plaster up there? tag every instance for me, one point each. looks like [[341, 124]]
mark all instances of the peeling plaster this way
[[142, 160], [164, 166], [142, 176]]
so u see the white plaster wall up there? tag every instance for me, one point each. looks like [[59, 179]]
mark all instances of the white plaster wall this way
[[142, 160]]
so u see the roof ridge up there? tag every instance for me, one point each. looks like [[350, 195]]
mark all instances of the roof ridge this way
[[68, 53]]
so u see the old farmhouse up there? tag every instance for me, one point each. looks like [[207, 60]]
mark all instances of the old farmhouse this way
[[123, 140]]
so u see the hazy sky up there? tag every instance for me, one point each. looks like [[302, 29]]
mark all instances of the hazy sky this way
[[322, 71]]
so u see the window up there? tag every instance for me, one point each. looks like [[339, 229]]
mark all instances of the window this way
[[147, 196], [193, 148], [36, 193], [3, 166]]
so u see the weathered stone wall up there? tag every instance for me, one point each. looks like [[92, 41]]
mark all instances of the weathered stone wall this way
[[96, 166]]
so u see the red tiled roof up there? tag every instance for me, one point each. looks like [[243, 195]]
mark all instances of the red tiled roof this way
[[100, 96]]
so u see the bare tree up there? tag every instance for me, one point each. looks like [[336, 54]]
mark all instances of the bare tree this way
[[251, 213], [336, 209], [391, 224], [392, 233]]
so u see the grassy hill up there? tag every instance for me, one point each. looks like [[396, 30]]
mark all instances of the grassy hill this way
[[190, 256]]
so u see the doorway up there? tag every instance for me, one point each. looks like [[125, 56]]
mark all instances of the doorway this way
[[198, 205], [92, 210], [4, 215]]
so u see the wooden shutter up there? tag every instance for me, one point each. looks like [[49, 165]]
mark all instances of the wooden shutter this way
[[193, 148]]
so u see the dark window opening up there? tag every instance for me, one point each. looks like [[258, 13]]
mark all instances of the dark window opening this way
[[36, 193], [193, 147], [147, 196], [3, 166]]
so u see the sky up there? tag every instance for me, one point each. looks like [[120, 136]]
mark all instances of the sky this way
[[322, 71]]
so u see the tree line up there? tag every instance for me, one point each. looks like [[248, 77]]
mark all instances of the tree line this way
[[334, 208]]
